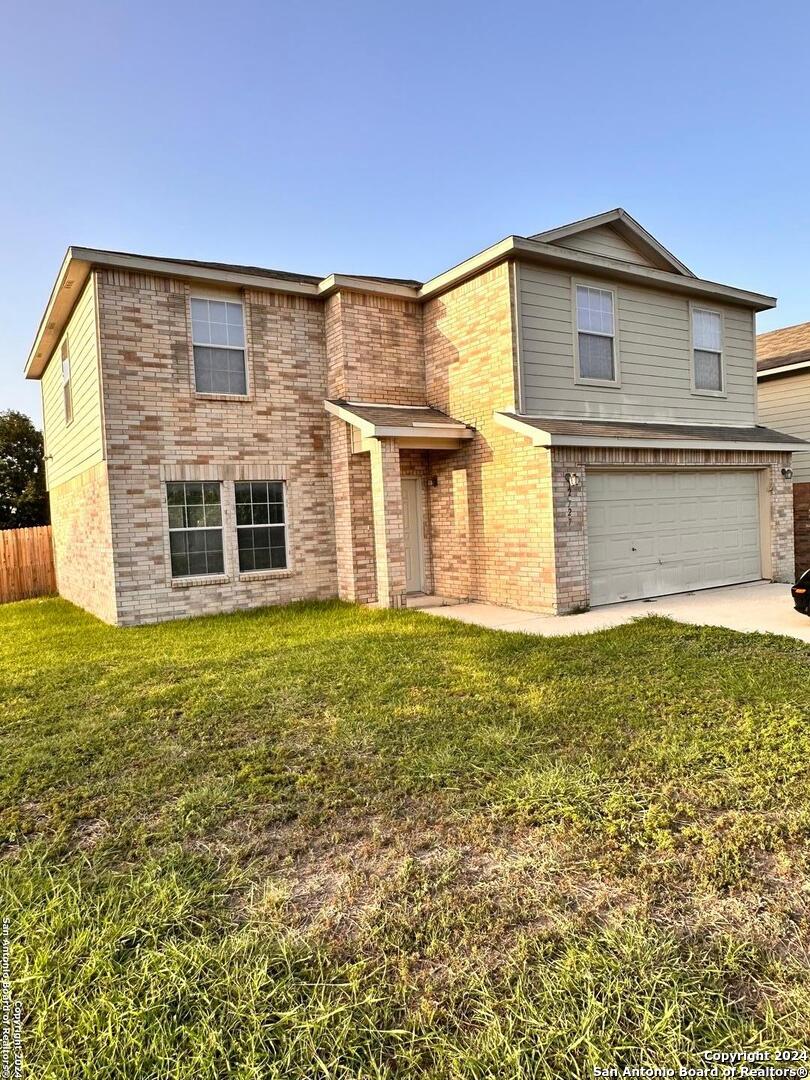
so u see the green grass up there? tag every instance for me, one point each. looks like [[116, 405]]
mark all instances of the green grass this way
[[325, 841]]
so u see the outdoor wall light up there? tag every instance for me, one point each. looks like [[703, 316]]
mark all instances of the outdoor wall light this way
[[787, 473], [572, 479]]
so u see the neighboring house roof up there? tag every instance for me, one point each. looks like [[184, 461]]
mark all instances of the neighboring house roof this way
[[402, 421], [780, 352], [662, 270], [554, 431]]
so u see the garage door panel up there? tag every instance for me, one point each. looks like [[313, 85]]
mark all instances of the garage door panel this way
[[652, 533]]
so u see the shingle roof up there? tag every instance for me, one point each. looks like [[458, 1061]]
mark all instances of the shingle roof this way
[[615, 429], [262, 271], [778, 348], [400, 416]]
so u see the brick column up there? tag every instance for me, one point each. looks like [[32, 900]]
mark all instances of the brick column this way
[[354, 532], [389, 537]]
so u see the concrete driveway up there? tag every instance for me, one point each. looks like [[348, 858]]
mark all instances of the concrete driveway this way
[[761, 606]]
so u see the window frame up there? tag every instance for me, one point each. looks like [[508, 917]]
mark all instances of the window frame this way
[[285, 524], [215, 575], [696, 390], [600, 286], [227, 298], [67, 383]]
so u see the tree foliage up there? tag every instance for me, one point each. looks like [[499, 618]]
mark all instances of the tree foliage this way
[[23, 499]]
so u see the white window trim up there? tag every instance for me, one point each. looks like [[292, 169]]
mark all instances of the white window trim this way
[[269, 571], [722, 393], [580, 380], [229, 298], [195, 579]]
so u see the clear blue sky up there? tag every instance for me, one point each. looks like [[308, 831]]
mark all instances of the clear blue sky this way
[[397, 138]]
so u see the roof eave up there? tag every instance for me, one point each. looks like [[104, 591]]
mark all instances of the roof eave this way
[[70, 281], [345, 283], [786, 369], [547, 439], [536, 250], [525, 249], [75, 270]]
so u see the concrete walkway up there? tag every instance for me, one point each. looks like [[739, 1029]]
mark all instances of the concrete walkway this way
[[763, 607]]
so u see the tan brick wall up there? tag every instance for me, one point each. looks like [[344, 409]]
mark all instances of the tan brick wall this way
[[374, 353], [155, 420], [82, 542], [375, 349], [490, 509]]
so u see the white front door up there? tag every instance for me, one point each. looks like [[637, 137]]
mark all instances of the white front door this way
[[412, 524], [652, 533]]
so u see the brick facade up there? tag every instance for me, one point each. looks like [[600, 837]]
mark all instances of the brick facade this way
[[155, 421], [491, 513], [82, 542], [499, 521]]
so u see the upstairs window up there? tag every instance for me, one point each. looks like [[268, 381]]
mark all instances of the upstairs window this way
[[195, 529], [261, 527], [707, 348], [218, 340], [596, 351], [67, 390]]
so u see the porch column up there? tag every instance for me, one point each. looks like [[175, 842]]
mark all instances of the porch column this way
[[389, 536]]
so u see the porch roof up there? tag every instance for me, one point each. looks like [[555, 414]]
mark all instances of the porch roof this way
[[398, 421], [555, 431]]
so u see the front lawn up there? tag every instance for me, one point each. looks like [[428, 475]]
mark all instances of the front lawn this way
[[325, 841]]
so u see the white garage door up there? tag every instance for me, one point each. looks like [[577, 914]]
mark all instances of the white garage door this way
[[652, 533]]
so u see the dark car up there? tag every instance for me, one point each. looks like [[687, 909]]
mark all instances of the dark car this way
[[801, 593]]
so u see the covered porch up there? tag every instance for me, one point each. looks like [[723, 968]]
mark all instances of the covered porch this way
[[381, 475]]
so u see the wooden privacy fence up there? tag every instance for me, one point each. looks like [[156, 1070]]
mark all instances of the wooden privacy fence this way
[[26, 563]]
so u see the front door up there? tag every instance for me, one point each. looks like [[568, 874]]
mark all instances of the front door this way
[[412, 527]]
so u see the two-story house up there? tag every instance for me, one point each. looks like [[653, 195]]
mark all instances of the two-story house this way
[[562, 420]]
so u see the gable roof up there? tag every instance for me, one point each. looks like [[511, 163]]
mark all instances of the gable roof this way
[[783, 351], [659, 269], [628, 229]]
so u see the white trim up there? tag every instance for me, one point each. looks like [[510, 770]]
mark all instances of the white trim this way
[[601, 286], [786, 369], [696, 391]]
